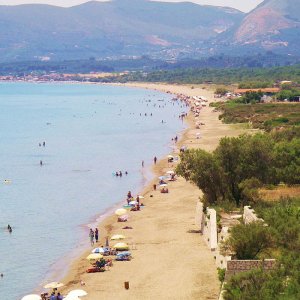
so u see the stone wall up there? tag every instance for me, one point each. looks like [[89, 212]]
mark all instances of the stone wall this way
[[237, 266]]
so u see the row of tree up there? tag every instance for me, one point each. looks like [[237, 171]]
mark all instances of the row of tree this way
[[217, 76], [240, 165]]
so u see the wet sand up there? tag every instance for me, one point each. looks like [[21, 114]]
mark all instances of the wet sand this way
[[170, 259]]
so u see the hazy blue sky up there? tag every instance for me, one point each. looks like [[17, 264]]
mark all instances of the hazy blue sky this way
[[244, 5]]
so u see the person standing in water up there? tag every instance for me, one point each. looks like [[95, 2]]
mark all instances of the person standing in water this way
[[91, 235], [96, 235], [155, 160], [142, 163], [41, 162]]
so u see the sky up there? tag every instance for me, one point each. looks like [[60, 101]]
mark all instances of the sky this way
[[243, 5]]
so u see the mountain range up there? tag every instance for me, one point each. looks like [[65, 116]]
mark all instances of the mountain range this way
[[273, 25], [131, 28]]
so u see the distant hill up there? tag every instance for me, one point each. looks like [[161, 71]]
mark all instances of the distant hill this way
[[108, 29], [273, 25], [133, 28]]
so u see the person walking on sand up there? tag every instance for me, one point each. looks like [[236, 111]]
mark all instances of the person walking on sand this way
[[91, 235], [96, 235], [155, 160]]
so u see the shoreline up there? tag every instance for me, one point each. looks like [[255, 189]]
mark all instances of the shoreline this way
[[108, 224], [61, 266]]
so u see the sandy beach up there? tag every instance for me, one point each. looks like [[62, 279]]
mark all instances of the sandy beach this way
[[170, 259]]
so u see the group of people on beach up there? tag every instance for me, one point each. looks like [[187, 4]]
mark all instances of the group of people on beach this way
[[53, 296], [94, 236], [137, 205]]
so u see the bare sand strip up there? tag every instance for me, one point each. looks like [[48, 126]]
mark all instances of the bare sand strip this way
[[169, 260]]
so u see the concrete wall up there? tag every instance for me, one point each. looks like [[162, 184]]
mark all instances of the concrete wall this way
[[221, 260], [210, 229], [249, 215], [199, 217]]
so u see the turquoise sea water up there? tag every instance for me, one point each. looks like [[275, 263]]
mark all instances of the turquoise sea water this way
[[90, 132]]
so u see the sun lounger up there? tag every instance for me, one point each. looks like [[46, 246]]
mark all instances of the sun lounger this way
[[95, 270], [123, 257]]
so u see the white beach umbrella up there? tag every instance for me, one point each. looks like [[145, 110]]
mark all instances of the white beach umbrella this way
[[132, 202], [170, 172], [121, 211], [163, 185], [53, 285], [98, 250], [140, 197], [170, 156], [77, 293], [32, 297], [71, 297], [118, 237]]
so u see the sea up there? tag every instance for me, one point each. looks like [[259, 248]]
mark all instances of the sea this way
[[89, 132]]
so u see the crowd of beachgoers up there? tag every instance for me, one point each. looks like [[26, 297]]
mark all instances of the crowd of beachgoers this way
[[115, 247]]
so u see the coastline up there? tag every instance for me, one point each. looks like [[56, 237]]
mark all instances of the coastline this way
[[172, 253]]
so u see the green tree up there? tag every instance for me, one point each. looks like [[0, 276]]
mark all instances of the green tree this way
[[248, 241], [249, 191], [201, 168], [221, 91], [257, 284], [287, 157]]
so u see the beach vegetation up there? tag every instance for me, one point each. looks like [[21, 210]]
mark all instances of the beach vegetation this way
[[266, 116], [254, 84], [248, 241], [207, 74], [221, 91], [250, 97], [283, 282], [240, 166], [221, 274]]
